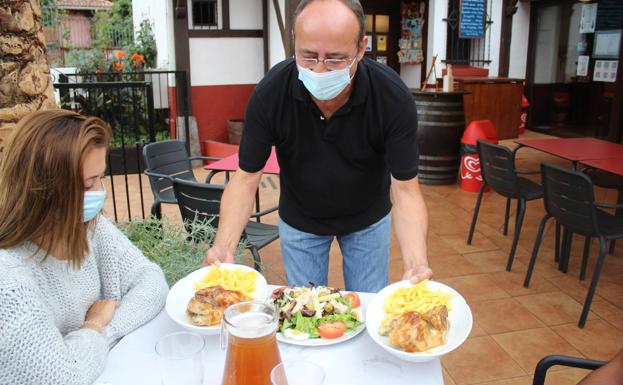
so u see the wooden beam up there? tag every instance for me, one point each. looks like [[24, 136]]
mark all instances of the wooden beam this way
[[182, 50], [509, 7], [280, 22], [265, 36], [289, 16]]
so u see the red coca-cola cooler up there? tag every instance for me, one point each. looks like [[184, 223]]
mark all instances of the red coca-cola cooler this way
[[471, 178]]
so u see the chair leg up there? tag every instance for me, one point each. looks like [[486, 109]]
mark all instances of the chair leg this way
[[521, 211], [557, 245], [587, 247], [506, 215], [567, 252], [535, 250], [256, 259], [618, 214], [475, 217], [156, 210], [591, 289]]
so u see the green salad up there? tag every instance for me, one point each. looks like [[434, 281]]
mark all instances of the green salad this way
[[316, 312]]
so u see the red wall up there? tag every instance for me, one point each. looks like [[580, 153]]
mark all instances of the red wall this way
[[214, 105]]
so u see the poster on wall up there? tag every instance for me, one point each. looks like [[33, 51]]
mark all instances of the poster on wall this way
[[412, 24], [381, 43], [369, 45], [606, 44], [588, 18], [605, 71], [582, 69]]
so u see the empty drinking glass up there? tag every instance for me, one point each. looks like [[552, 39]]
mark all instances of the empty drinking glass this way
[[297, 373], [180, 358]]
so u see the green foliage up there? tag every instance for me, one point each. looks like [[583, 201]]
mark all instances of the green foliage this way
[[113, 27], [170, 246], [50, 14], [145, 43]]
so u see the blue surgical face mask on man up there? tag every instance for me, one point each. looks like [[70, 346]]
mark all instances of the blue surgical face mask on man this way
[[325, 85], [93, 203]]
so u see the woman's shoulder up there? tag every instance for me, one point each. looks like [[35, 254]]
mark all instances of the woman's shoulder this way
[[17, 278]]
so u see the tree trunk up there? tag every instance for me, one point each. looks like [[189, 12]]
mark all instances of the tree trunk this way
[[25, 82]]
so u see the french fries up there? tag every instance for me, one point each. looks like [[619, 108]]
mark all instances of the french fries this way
[[234, 279], [418, 298]]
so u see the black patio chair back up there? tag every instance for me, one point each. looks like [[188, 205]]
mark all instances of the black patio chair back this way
[[164, 160], [202, 201], [198, 200], [497, 166], [569, 198]]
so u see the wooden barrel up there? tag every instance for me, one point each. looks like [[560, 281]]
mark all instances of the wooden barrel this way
[[441, 122]]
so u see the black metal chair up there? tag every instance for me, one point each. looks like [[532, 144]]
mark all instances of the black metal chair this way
[[497, 165], [203, 201], [167, 158], [569, 198], [548, 361]]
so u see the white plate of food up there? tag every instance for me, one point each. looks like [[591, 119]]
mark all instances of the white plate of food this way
[[410, 322], [317, 315], [211, 289]]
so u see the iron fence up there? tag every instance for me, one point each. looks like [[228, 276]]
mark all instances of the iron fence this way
[[141, 108]]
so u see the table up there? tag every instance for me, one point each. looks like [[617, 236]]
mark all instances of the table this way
[[358, 361], [612, 165], [575, 149], [230, 163]]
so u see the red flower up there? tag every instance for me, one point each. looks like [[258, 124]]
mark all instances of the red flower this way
[[118, 66], [119, 54], [138, 57]]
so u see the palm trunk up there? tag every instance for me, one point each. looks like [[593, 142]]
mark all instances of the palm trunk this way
[[25, 82]]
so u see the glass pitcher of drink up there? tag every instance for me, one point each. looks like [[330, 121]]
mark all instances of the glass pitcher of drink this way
[[249, 331]]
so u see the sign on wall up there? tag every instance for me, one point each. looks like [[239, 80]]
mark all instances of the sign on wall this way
[[472, 19]]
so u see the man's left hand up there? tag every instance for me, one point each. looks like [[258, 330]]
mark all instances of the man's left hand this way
[[418, 273]]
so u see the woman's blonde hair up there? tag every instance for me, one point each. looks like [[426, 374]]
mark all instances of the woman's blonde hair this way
[[41, 182]]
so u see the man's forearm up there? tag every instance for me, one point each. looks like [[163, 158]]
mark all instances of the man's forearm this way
[[236, 207], [410, 218]]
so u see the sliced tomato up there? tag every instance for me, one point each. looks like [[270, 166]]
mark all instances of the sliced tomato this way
[[332, 330], [353, 298]]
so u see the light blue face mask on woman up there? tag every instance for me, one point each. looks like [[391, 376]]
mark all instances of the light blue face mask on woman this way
[[93, 203], [325, 85]]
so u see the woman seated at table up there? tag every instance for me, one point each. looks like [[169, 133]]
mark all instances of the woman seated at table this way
[[71, 284]]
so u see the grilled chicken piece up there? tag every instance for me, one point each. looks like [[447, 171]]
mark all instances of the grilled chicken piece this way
[[438, 317], [207, 306], [414, 332]]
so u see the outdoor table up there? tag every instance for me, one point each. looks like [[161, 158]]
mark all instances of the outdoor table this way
[[613, 165], [230, 163], [358, 361], [575, 149]]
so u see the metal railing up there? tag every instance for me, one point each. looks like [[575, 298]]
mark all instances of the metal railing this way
[[140, 111]]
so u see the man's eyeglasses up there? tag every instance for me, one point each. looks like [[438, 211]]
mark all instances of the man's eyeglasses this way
[[331, 64]]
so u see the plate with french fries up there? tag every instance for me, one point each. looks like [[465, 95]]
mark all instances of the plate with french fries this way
[[418, 322], [242, 282]]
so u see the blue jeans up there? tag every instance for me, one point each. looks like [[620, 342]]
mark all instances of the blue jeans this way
[[365, 255]]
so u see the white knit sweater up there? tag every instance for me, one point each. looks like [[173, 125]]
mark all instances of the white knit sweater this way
[[43, 306]]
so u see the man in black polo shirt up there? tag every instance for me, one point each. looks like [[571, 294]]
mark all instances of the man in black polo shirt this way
[[344, 128]]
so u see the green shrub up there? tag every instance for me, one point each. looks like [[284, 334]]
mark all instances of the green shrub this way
[[170, 246]]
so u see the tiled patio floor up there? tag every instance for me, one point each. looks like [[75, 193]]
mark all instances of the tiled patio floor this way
[[513, 327]]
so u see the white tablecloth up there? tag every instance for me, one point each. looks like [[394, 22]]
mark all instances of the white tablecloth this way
[[358, 361]]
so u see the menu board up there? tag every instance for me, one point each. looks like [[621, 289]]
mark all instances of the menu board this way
[[472, 19]]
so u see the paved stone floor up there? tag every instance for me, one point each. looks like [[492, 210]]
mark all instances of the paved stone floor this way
[[513, 327]]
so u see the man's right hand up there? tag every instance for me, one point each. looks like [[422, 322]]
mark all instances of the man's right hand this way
[[218, 254]]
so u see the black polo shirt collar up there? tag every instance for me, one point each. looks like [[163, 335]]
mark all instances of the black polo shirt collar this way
[[361, 84]]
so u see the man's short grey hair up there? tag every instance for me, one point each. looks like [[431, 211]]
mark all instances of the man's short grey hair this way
[[353, 5]]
